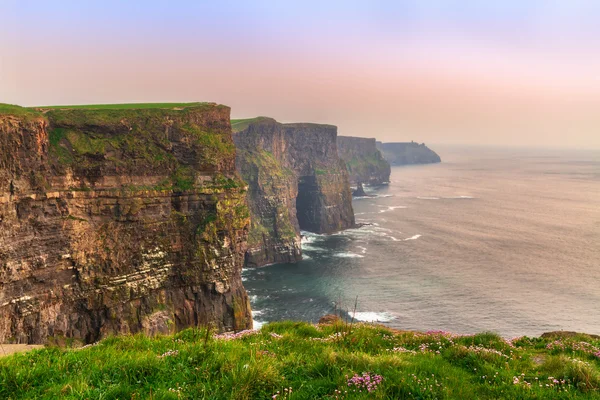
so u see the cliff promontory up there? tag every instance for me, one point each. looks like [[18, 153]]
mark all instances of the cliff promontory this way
[[119, 219], [364, 161], [295, 181], [408, 153]]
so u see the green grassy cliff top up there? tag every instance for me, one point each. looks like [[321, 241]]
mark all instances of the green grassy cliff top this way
[[127, 106], [295, 360], [238, 125]]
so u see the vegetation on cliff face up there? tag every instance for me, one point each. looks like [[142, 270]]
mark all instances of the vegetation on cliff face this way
[[290, 360], [119, 219], [364, 161]]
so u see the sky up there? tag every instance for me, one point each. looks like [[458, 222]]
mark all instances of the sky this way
[[506, 73]]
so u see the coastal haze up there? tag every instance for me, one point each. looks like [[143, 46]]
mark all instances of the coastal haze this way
[[502, 240], [521, 73]]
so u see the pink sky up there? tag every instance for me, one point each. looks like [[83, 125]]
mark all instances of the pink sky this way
[[528, 79]]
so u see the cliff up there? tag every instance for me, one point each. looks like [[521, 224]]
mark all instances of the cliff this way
[[119, 219], [408, 153], [295, 181], [364, 161]]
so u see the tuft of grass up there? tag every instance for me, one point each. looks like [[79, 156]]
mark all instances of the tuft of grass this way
[[297, 360]]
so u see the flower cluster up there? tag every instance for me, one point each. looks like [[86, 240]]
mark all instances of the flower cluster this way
[[287, 392], [584, 347], [234, 336], [329, 338], [170, 353], [402, 350], [365, 381], [178, 390], [485, 350]]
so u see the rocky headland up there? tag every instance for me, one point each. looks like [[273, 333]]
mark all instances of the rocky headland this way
[[119, 219], [407, 153], [296, 181], [364, 161]]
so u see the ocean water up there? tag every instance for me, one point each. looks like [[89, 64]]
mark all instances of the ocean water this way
[[490, 240]]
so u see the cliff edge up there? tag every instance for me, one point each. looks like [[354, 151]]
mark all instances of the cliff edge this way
[[408, 153], [295, 181], [119, 219], [364, 161]]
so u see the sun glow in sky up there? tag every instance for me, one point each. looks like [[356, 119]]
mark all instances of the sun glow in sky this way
[[438, 71]]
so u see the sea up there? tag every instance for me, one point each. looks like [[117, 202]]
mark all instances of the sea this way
[[490, 240]]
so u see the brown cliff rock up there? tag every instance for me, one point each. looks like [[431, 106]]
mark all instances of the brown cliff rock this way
[[119, 221]]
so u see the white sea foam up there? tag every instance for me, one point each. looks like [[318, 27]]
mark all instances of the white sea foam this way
[[256, 325], [256, 312], [460, 197], [363, 249], [427, 198], [415, 237], [369, 316], [391, 208], [348, 255]]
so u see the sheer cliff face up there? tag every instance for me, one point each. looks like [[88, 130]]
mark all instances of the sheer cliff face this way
[[119, 221], [364, 161], [296, 181], [408, 153]]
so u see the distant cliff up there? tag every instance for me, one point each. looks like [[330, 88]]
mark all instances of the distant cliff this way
[[408, 153], [295, 181], [364, 161], [119, 219]]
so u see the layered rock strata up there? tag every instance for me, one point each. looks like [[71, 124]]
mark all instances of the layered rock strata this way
[[119, 220], [364, 161], [296, 181]]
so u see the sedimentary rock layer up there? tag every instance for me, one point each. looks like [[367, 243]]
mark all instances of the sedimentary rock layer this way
[[119, 221], [296, 181], [364, 161], [408, 153]]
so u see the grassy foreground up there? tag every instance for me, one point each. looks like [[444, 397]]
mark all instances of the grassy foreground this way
[[291, 360]]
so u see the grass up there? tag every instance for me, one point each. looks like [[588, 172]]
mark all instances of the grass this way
[[126, 106], [238, 125], [315, 362], [18, 111]]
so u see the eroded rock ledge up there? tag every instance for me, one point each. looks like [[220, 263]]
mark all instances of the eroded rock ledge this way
[[119, 221], [407, 153], [296, 181], [364, 161]]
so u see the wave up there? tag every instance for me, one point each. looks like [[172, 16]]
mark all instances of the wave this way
[[415, 237], [309, 237], [369, 316], [363, 249], [460, 197], [427, 198], [391, 208], [348, 255]]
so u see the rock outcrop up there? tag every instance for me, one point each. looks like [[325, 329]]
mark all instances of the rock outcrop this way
[[119, 220], [295, 181], [408, 153], [364, 161]]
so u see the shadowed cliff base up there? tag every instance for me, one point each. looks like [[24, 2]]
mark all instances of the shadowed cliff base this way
[[408, 153], [119, 219], [295, 181]]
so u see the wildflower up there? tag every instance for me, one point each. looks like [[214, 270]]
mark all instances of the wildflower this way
[[170, 353], [234, 336], [275, 335]]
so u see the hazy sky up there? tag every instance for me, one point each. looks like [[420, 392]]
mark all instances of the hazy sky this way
[[510, 72]]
